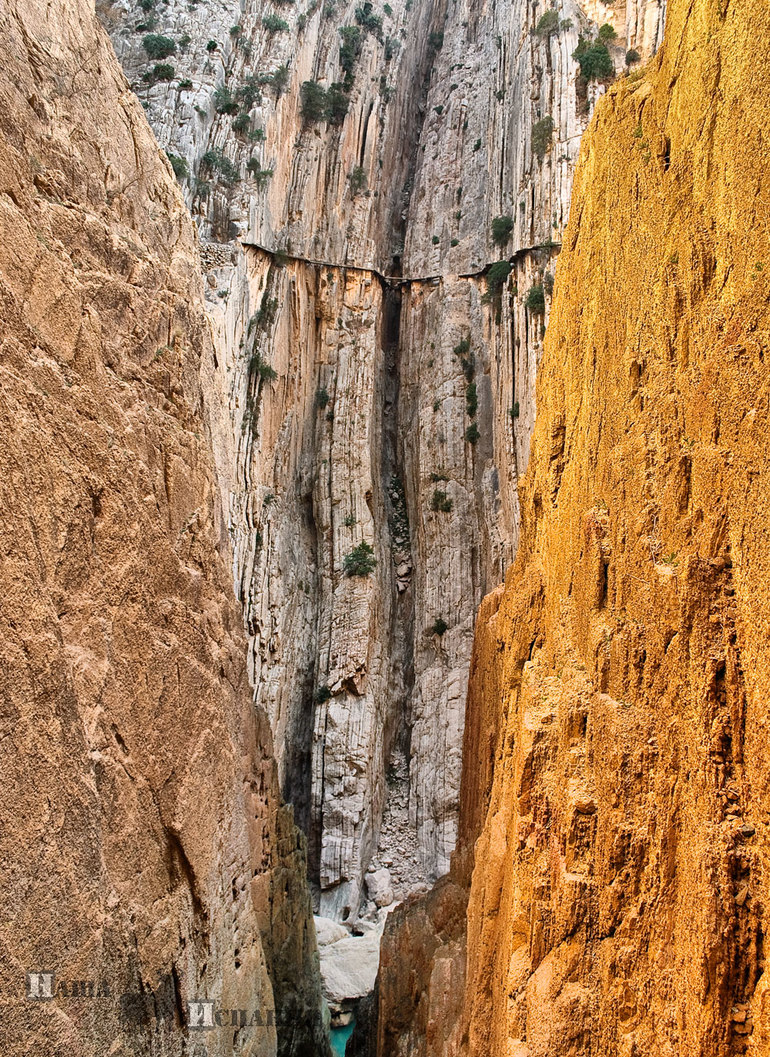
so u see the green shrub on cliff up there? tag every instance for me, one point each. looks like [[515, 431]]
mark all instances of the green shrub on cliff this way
[[370, 22], [224, 102], [217, 162], [606, 33], [318, 104], [496, 277], [161, 71], [158, 47], [274, 23], [441, 503], [595, 60], [548, 24], [501, 230], [350, 49], [535, 301], [179, 165], [361, 560], [542, 134], [357, 180]]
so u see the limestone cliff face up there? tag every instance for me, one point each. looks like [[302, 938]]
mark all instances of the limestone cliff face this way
[[144, 845], [620, 883], [403, 404]]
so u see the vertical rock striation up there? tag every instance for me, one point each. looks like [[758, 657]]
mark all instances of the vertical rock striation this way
[[352, 257], [144, 845]]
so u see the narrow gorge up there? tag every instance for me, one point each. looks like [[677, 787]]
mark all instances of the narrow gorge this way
[[384, 548], [350, 253]]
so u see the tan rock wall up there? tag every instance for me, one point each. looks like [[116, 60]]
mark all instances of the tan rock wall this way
[[144, 845]]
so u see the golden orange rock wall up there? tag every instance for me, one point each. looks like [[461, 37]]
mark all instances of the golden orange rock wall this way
[[620, 881], [618, 897]]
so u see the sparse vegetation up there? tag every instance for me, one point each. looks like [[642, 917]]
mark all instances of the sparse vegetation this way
[[392, 46], [471, 400], [322, 397], [318, 104], [595, 60], [260, 175], [606, 33], [259, 366], [361, 560], [632, 57], [441, 503], [472, 433], [350, 49], [322, 694], [216, 161], [224, 101], [548, 24], [277, 79], [439, 627], [358, 180], [161, 71], [542, 135], [313, 101], [274, 23], [264, 315], [367, 20], [496, 278], [535, 301], [501, 230], [158, 47], [179, 165]]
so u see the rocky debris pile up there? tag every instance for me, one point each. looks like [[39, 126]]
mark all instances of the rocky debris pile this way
[[399, 527], [398, 853]]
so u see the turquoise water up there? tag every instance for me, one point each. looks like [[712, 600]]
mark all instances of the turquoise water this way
[[340, 1038]]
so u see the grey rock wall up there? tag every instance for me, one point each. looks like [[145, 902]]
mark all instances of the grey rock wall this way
[[362, 260]]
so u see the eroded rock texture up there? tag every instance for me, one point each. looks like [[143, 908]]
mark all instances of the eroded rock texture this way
[[620, 883], [403, 404], [144, 847]]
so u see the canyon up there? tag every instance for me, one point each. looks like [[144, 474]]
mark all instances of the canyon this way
[[351, 257], [310, 606]]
